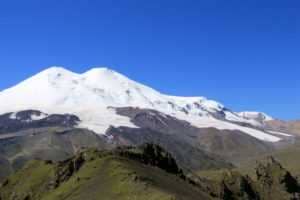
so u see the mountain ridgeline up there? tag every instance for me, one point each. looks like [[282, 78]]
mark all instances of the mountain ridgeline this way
[[144, 172], [92, 95], [100, 135]]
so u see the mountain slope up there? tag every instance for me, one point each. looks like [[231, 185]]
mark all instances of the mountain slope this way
[[291, 127], [147, 172], [272, 182], [256, 116], [181, 138], [48, 143], [102, 175], [93, 95], [55, 137]]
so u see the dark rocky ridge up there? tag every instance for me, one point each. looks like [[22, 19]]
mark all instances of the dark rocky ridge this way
[[48, 144], [23, 120], [197, 158], [272, 182], [232, 145]]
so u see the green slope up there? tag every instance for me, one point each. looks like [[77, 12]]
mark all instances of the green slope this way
[[144, 173], [97, 175], [287, 155]]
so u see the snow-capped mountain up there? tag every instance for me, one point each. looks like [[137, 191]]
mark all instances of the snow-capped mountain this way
[[93, 95], [257, 116]]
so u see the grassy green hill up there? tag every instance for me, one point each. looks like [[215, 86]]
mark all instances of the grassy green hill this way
[[288, 156], [144, 173], [96, 175]]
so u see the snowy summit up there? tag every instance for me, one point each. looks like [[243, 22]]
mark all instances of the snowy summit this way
[[91, 95]]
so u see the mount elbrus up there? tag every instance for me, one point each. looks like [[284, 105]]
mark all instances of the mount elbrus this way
[[74, 123], [95, 96]]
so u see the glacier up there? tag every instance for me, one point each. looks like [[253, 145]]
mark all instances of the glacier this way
[[92, 96]]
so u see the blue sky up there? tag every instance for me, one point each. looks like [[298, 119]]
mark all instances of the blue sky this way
[[245, 54]]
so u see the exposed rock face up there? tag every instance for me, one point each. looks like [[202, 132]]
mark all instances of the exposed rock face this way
[[153, 155], [177, 146], [272, 182], [66, 169], [55, 144], [13, 122], [235, 186], [156, 127], [276, 182]]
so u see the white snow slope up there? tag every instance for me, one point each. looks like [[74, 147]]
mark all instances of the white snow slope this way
[[89, 96], [257, 116]]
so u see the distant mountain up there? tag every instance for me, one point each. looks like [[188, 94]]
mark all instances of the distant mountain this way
[[58, 114], [256, 116], [292, 127], [55, 137], [94, 95]]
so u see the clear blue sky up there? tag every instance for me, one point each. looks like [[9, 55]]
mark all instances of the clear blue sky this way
[[245, 54]]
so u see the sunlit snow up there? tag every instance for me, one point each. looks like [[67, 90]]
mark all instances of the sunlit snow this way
[[88, 95]]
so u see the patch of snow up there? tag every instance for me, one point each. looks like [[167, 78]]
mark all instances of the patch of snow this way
[[280, 133], [206, 122], [101, 120], [110, 137], [35, 117], [258, 116], [13, 115]]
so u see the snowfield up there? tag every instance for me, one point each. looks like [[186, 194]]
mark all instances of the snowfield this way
[[89, 96]]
